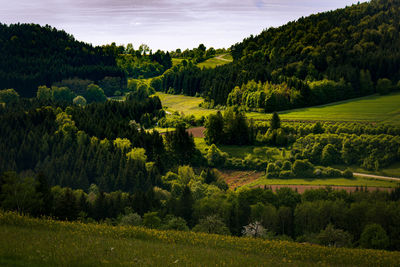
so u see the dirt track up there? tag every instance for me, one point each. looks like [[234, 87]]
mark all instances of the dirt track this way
[[376, 176]]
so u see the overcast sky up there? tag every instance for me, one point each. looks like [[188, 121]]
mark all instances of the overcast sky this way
[[162, 24]]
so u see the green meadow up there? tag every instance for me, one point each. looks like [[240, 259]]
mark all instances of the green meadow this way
[[355, 181], [216, 61], [369, 109]]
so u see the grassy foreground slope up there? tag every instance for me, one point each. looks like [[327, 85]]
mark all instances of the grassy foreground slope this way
[[33, 242], [371, 108]]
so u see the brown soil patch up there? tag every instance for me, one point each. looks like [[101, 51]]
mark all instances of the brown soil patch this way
[[301, 188], [197, 132], [239, 178]]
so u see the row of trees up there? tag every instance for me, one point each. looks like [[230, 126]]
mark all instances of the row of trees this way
[[231, 128], [369, 151], [197, 55], [198, 202], [139, 65]]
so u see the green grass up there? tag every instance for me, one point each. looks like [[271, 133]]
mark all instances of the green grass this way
[[216, 61], [390, 171], [32, 242], [371, 108], [176, 61], [356, 181], [186, 104]]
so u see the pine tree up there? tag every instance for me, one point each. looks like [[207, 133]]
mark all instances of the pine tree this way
[[275, 121]]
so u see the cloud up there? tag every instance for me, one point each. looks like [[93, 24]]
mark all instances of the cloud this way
[[162, 24]]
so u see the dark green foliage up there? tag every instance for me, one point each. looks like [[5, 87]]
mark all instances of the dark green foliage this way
[[366, 150], [384, 86], [322, 58], [94, 94], [214, 125], [232, 128], [9, 96], [69, 151], [25, 65], [181, 145], [374, 236], [275, 121], [138, 64]]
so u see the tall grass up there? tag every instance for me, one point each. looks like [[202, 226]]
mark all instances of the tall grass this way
[[27, 241]]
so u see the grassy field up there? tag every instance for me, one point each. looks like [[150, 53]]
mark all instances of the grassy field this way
[[371, 108], [184, 104], [176, 61], [356, 181], [216, 61], [390, 171], [32, 242]]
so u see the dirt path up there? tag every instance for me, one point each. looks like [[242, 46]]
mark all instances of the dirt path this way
[[376, 176], [220, 57]]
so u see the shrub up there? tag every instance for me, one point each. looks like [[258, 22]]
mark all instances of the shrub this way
[[151, 220], [175, 223], [329, 155], [79, 100], [331, 172], [131, 219], [272, 168], [302, 168], [285, 174], [347, 173], [212, 225], [287, 166], [216, 157], [384, 86], [334, 237], [374, 236]]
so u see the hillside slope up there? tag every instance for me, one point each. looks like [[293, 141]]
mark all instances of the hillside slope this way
[[319, 59], [32, 55], [34, 242]]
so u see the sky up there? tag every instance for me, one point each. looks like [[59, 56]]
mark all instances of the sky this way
[[163, 24]]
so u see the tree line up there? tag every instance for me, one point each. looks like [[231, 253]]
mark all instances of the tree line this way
[[188, 201], [25, 65]]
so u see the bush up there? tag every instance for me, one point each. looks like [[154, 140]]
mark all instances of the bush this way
[[374, 236], [285, 174], [216, 157], [334, 237], [287, 166], [212, 225], [331, 172], [347, 173], [175, 223], [329, 155], [302, 168], [151, 220], [131, 219], [79, 100], [272, 168], [384, 86]]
